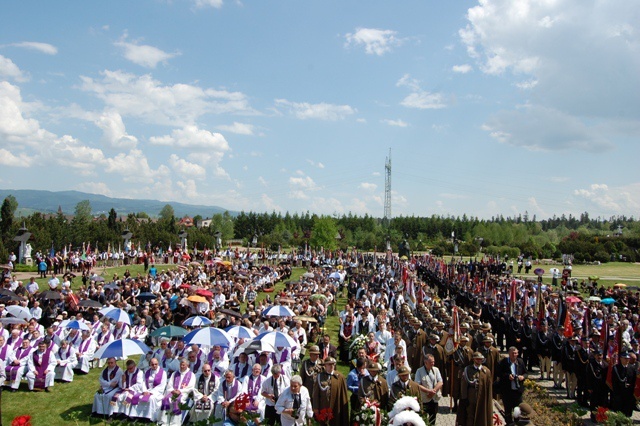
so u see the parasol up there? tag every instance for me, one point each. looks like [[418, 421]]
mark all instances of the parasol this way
[[119, 315], [89, 303], [240, 332], [539, 272], [197, 321], [19, 312], [306, 318], [608, 301], [169, 331], [196, 299], [594, 299], [594, 277], [146, 296], [50, 295], [253, 346], [208, 336], [277, 339], [121, 348], [619, 285], [278, 311]]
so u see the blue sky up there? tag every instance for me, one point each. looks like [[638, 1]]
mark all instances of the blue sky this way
[[490, 107]]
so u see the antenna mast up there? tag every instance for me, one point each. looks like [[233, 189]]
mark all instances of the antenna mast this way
[[387, 190]]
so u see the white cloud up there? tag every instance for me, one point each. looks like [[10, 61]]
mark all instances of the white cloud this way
[[395, 123], [191, 137], [115, 134], [565, 53], [612, 200], [420, 99], [14, 126], [262, 181], [142, 54], [537, 128], [462, 69], [238, 128], [216, 4], [368, 186], [9, 159], [188, 189], [268, 204], [134, 167], [300, 186], [148, 99], [375, 41], [321, 111], [45, 48], [95, 188], [315, 164], [8, 69], [185, 168]]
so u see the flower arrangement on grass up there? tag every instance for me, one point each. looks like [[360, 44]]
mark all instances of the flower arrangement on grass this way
[[369, 414], [358, 343]]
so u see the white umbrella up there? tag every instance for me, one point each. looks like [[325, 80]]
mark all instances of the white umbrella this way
[[19, 312], [12, 320], [278, 311], [240, 332], [75, 324], [121, 348], [119, 315], [208, 336], [197, 321], [277, 339]]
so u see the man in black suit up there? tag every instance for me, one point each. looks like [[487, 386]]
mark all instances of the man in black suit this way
[[326, 348], [511, 375]]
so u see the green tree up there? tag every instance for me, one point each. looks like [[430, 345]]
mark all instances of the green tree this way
[[9, 206], [83, 211], [323, 233]]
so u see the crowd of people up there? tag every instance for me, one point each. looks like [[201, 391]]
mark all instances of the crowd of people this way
[[418, 327]]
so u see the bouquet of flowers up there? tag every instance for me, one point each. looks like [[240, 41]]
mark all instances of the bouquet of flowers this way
[[369, 414], [240, 406], [358, 343], [611, 418], [21, 421], [323, 417]]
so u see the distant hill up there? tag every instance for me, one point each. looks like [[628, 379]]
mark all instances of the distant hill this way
[[30, 201]]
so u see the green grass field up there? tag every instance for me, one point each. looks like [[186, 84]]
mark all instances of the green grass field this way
[[70, 404]]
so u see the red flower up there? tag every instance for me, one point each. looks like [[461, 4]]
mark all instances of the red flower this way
[[21, 421], [325, 415], [601, 414]]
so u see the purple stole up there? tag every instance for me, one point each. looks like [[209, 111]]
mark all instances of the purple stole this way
[[41, 362], [157, 379], [129, 380], [283, 356], [84, 345], [63, 355], [216, 370], [253, 387], [266, 369], [242, 373], [104, 338], [180, 352], [229, 393], [13, 369], [15, 343], [196, 366], [109, 377], [3, 352], [72, 341], [138, 329], [168, 402]]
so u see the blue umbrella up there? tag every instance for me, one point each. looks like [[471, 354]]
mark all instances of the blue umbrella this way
[[608, 301], [208, 336], [78, 325], [119, 315], [277, 339], [197, 321], [240, 332], [278, 311], [122, 348]]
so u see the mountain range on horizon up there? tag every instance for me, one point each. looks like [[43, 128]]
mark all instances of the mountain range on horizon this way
[[32, 200]]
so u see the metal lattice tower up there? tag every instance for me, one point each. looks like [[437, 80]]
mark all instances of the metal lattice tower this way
[[387, 190]]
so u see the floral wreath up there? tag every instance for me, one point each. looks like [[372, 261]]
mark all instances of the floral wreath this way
[[406, 404]]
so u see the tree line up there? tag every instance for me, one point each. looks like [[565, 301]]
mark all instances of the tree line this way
[[587, 239]]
